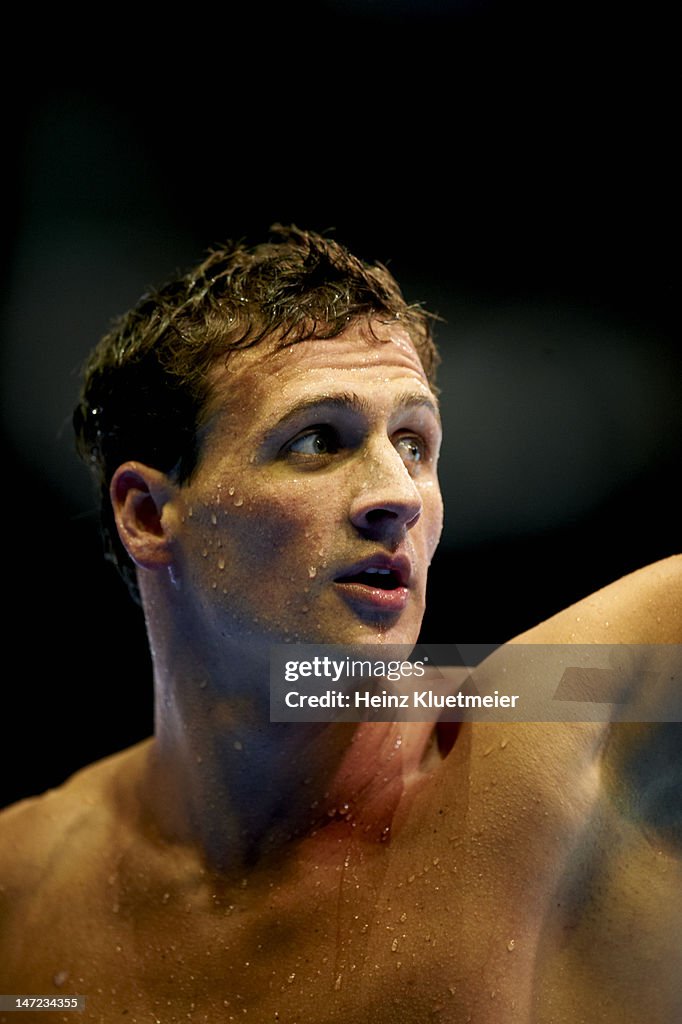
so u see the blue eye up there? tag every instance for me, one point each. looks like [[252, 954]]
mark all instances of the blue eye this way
[[411, 448], [317, 441]]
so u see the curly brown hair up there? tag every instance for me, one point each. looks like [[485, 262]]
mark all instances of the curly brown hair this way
[[145, 385]]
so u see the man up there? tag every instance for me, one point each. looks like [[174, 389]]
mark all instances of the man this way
[[265, 433]]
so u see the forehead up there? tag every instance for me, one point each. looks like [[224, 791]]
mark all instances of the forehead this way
[[266, 378]]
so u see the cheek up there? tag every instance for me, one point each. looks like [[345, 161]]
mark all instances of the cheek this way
[[282, 530], [432, 517]]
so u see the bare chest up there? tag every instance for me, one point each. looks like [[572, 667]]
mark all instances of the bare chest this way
[[415, 936], [520, 897]]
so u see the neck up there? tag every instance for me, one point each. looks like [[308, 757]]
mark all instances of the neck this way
[[223, 777]]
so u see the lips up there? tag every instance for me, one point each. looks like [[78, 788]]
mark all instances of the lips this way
[[379, 583], [383, 571]]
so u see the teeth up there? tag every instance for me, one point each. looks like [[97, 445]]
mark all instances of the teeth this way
[[382, 572]]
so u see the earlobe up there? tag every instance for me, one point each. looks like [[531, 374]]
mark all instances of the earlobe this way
[[142, 499]]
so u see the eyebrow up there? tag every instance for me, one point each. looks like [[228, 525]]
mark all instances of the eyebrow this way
[[347, 400]]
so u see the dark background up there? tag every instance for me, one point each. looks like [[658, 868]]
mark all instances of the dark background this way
[[513, 165]]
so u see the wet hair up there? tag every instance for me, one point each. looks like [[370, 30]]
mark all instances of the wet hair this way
[[146, 384]]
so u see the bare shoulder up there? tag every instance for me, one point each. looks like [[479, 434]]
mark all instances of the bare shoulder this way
[[643, 607], [56, 853], [34, 832]]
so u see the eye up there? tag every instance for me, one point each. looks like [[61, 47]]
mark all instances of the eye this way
[[315, 441], [411, 448]]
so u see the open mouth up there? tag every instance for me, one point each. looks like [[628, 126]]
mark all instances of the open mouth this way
[[381, 579], [379, 584]]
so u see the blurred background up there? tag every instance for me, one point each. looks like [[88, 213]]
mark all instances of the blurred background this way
[[513, 164]]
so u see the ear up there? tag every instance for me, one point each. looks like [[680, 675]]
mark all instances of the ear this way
[[144, 504]]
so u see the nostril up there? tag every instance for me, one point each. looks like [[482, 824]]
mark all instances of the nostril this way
[[378, 515]]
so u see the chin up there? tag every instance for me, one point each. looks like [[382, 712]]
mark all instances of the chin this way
[[378, 632]]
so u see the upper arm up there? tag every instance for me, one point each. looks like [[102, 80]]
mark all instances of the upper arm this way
[[644, 607], [641, 761]]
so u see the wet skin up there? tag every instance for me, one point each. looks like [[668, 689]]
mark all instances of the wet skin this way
[[231, 871], [318, 464], [513, 886], [318, 461]]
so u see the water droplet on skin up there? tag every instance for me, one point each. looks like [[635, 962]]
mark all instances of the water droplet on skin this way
[[230, 491], [403, 917], [394, 946], [511, 944], [190, 512], [503, 744], [238, 502], [221, 564], [214, 518], [60, 977], [165, 897], [237, 745], [337, 983], [312, 572], [204, 553], [305, 608], [290, 978]]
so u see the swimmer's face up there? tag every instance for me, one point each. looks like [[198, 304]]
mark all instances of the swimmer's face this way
[[315, 509]]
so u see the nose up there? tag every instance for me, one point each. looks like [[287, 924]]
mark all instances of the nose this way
[[386, 498]]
